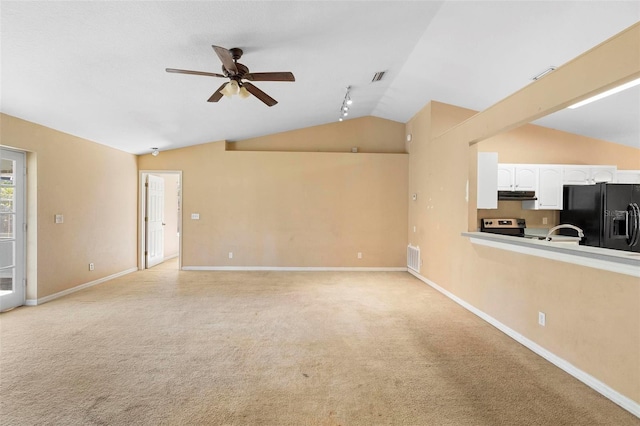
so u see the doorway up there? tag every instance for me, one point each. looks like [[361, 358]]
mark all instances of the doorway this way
[[160, 221], [13, 225]]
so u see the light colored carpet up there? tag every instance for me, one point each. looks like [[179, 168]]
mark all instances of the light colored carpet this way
[[164, 347]]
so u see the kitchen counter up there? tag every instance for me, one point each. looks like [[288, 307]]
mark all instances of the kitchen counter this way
[[623, 262]]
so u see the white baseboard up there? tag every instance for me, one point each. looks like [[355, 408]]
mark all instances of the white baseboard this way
[[292, 268], [627, 403], [40, 301]]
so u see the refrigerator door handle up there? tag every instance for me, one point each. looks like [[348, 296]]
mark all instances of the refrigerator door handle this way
[[628, 229], [635, 220]]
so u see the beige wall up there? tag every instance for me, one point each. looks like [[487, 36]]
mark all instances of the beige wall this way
[[94, 187], [368, 134], [593, 316], [535, 144], [300, 209]]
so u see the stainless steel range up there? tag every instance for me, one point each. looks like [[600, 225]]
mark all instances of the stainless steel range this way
[[513, 227]]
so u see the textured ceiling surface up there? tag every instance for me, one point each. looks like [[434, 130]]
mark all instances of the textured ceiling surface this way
[[97, 69]]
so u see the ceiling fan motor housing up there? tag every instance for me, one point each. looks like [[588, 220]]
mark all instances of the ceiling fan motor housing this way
[[242, 70], [236, 53]]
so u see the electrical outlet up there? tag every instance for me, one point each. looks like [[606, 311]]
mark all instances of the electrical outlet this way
[[542, 319], [359, 255], [544, 221], [59, 218], [230, 255], [91, 267], [195, 216]]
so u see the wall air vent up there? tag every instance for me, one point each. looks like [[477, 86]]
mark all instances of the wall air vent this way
[[378, 76], [543, 73]]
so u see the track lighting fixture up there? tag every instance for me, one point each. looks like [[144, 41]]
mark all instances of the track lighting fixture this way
[[345, 105], [155, 152]]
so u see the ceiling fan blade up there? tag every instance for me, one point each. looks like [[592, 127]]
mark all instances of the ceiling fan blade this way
[[259, 94], [217, 95], [208, 74], [269, 76], [227, 59]]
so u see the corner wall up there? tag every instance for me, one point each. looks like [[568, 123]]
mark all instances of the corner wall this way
[[94, 187]]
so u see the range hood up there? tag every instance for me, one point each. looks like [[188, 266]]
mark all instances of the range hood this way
[[517, 195]]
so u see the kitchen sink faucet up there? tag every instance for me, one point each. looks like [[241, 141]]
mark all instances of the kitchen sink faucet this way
[[555, 228]]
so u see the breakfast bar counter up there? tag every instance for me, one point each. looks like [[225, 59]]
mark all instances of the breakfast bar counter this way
[[623, 262]]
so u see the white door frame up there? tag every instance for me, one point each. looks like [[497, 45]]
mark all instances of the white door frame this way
[[19, 295], [142, 196]]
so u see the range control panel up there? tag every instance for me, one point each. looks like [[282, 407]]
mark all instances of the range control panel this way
[[503, 223]]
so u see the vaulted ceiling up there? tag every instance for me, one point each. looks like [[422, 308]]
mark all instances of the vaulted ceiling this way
[[97, 69]]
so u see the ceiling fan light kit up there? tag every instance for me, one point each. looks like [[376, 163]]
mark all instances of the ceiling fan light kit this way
[[230, 89]]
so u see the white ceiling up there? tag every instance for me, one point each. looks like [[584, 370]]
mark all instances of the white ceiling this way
[[96, 69]]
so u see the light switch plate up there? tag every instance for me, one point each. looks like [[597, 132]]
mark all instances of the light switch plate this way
[[195, 216], [59, 218]]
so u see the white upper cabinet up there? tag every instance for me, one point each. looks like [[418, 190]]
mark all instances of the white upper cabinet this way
[[546, 180], [549, 192], [506, 177], [576, 175], [603, 174], [586, 175], [517, 177], [628, 176], [487, 195]]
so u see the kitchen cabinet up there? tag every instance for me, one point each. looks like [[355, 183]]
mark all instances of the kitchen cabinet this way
[[487, 195], [546, 180], [517, 177], [588, 174], [549, 189], [628, 176]]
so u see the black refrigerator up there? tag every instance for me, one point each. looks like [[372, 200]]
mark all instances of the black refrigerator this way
[[608, 213]]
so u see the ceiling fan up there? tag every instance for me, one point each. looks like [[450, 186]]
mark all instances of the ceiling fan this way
[[236, 73]]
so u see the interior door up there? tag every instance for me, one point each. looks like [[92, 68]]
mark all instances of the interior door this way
[[154, 221], [12, 229]]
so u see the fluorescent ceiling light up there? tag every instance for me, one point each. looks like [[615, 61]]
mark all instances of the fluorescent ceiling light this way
[[607, 93]]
